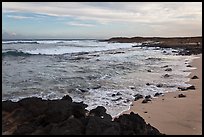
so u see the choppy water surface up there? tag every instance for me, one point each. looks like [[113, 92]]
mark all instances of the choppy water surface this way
[[89, 71]]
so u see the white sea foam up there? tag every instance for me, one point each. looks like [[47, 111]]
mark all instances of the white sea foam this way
[[74, 47]]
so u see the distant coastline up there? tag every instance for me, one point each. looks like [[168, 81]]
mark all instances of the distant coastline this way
[[193, 45], [158, 39]]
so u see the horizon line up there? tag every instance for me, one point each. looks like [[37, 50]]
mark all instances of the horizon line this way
[[99, 38]]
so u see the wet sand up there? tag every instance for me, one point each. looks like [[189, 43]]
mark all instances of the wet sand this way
[[172, 115]]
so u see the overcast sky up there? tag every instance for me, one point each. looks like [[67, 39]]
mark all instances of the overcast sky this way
[[100, 19]]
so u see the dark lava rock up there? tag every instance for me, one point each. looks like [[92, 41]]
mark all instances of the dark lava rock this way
[[52, 111], [24, 129], [146, 100], [9, 106], [157, 94], [184, 52], [159, 85], [83, 90], [134, 46], [71, 126], [113, 95], [188, 66], [148, 96], [34, 105], [117, 94], [35, 116], [181, 95], [99, 126], [194, 77], [165, 66], [147, 84], [67, 98], [137, 96], [182, 88], [132, 124], [191, 87], [166, 75], [100, 111], [187, 88], [78, 109], [126, 101], [168, 69]]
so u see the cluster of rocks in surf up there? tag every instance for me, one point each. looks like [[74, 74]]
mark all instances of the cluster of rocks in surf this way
[[35, 116]]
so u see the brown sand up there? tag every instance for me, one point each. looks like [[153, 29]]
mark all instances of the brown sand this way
[[176, 116]]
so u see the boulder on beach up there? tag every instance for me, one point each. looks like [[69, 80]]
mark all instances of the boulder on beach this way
[[194, 77], [157, 94], [187, 88], [188, 66], [132, 124], [181, 95], [148, 96], [191, 87], [138, 96], [146, 100]]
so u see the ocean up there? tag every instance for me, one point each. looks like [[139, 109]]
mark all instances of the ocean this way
[[97, 73]]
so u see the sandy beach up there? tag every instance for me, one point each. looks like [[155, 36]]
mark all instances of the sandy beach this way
[[172, 115]]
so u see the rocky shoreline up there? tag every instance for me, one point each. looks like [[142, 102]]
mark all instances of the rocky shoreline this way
[[189, 45], [34, 116]]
